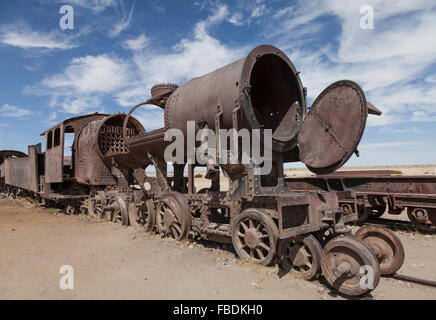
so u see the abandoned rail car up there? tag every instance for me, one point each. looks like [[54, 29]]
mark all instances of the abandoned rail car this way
[[4, 154], [376, 192], [266, 221]]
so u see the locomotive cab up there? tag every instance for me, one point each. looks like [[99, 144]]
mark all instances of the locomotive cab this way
[[54, 154], [59, 164]]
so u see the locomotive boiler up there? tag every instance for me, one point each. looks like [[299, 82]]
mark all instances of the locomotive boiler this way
[[259, 214]]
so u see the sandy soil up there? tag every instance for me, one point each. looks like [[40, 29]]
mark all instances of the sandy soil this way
[[115, 262]]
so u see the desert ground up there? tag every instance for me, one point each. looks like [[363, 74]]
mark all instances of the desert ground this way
[[115, 262]]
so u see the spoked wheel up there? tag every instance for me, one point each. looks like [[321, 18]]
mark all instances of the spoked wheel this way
[[350, 266], [173, 216], [95, 206], [254, 237], [386, 246], [142, 214], [302, 257], [119, 212]]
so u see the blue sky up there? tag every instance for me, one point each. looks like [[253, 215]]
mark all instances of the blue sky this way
[[119, 49]]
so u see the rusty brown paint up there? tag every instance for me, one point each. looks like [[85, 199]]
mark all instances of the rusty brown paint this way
[[23, 172], [333, 128]]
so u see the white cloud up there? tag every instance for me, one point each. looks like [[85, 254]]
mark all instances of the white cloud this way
[[91, 74], [388, 62], [247, 11], [431, 79], [87, 81], [132, 96], [52, 116], [219, 14], [8, 110], [400, 130], [96, 6], [76, 104], [423, 116], [190, 57], [21, 35], [236, 19], [123, 24], [150, 119], [136, 44], [84, 83], [156, 6], [258, 11], [395, 144]]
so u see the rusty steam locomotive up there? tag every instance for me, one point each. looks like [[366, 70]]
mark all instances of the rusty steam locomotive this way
[[261, 215]]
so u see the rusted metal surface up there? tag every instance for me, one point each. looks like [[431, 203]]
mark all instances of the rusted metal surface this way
[[265, 85], [23, 172], [373, 109], [358, 173], [11, 154], [8, 154], [119, 213], [106, 173], [54, 145], [431, 283], [4, 154], [368, 184], [301, 256], [173, 216], [160, 93], [254, 236], [98, 144], [341, 265], [386, 246], [333, 128], [374, 191]]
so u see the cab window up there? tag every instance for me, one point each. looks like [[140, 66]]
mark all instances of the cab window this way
[[57, 137], [49, 140]]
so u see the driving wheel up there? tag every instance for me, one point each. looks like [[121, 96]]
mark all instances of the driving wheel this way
[[254, 237], [95, 205], [302, 257], [173, 216], [119, 212], [142, 214]]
